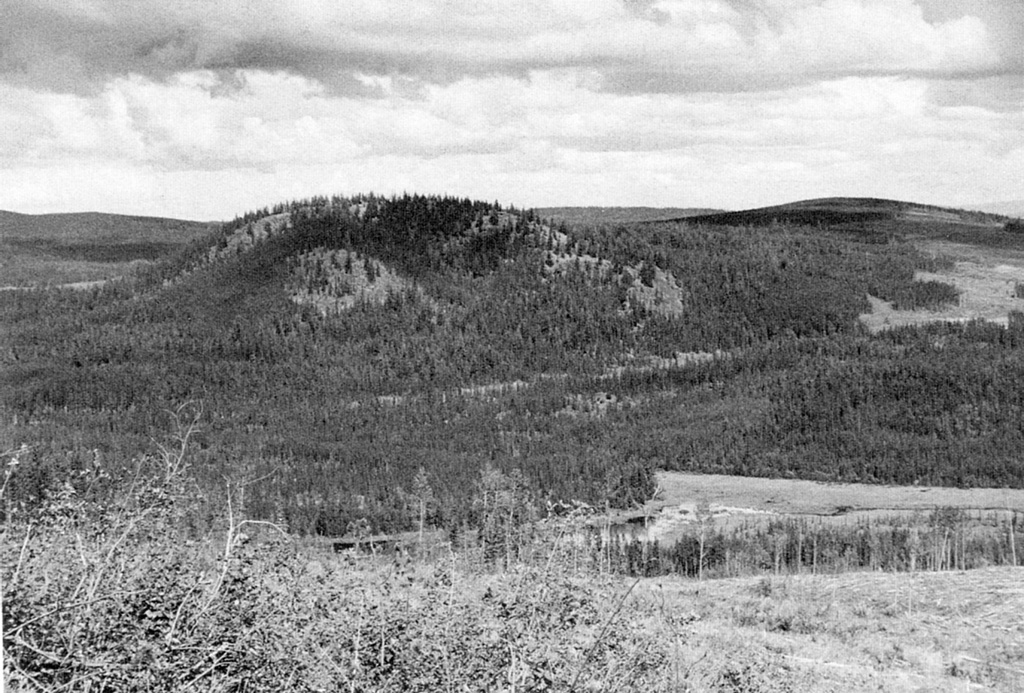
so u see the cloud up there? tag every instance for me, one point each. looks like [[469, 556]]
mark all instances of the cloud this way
[[204, 109], [549, 136], [635, 45]]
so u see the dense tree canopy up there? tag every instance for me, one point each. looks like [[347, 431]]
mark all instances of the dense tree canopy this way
[[513, 344]]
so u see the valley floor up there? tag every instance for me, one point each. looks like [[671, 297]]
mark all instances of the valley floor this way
[[799, 497], [739, 500]]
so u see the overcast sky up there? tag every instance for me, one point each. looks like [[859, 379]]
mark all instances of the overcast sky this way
[[203, 109]]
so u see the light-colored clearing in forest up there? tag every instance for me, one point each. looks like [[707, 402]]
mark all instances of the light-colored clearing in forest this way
[[736, 500], [245, 237], [664, 296], [344, 281], [985, 277], [73, 286], [798, 497]]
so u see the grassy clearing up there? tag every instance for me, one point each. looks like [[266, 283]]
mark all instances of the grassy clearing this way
[[985, 277], [797, 497], [862, 631], [334, 281], [747, 502]]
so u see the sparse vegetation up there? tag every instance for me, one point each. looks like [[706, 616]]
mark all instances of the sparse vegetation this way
[[126, 593], [130, 592], [943, 539]]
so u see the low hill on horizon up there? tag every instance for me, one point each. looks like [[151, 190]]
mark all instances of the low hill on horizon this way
[[64, 248], [846, 210], [71, 226]]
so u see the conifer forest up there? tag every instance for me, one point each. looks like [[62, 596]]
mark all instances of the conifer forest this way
[[378, 444], [351, 353]]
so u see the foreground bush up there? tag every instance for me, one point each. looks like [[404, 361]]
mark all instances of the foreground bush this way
[[91, 610], [136, 591], [130, 594]]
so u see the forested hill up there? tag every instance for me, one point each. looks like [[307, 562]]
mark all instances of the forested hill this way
[[848, 210], [369, 359], [81, 227], [620, 215]]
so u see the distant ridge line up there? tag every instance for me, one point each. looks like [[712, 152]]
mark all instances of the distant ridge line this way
[[7, 215], [839, 210]]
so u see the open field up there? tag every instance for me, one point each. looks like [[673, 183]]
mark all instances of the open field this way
[[986, 278], [795, 497], [951, 631], [735, 501]]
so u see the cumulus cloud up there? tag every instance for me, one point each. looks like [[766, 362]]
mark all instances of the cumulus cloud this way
[[636, 45], [206, 108]]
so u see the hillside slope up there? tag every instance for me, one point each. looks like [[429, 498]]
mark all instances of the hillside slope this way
[[345, 347], [95, 226], [1009, 208], [52, 249], [619, 215]]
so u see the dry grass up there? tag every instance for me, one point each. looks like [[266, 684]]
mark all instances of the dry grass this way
[[736, 501], [985, 277], [861, 631], [796, 497], [137, 608]]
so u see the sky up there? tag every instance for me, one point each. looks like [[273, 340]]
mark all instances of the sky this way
[[204, 109]]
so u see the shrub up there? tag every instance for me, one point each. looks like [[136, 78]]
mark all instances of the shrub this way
[[123, 595]]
